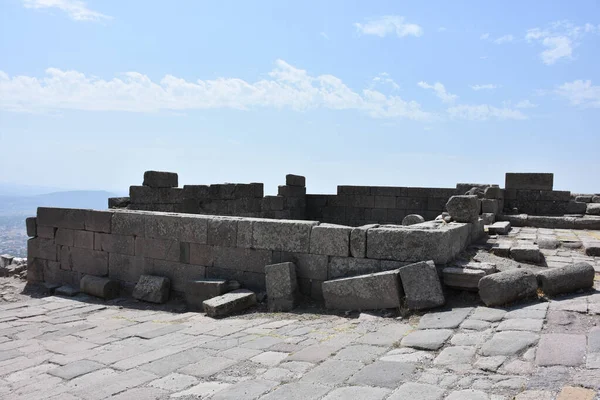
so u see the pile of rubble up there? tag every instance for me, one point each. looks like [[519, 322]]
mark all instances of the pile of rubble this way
[[13, 266]]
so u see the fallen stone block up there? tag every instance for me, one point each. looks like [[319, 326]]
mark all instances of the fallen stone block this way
[[5, 260], [229, 303], [282, 286], [566, 279], [412, 219], [526, 253], [501, 249], [154, 289], [464, 208], [104, 288], [548, 243], [364, 292], [421, 285], [462, 278], [196, 291], [160, 179], [506, 287], [295, 180], [593, 209], [596, 198], [499, 228], [529, 181], [31, 224], [592, 248], [330, 240], [66, 290]]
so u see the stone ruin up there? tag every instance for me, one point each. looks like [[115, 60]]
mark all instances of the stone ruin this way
[[366, 247]]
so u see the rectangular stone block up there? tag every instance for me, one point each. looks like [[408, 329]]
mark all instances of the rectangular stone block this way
[[342, 267], [421, 285], [126, 268], [113, 243], [154, 289], [31, 225], [35, 269], [354, 190], [308, 266], [530, 181], [493, 193], [86, 261], [61, 217], [178, 273], [196, 291], [252, 260], [118, 202], [222, 231], [283, 235], [365, 292], [358, 240], [64, 237], [462, 278], [185, 228], [295, 180], [202, 254], [527, 253], [393, 191], [98, 221], [282, 286], [331, 240], [196, 192], [244, 233], [129, 223], [385, 202], [42, 248], [272, 203], [46, 232], [490, 206], [160, 179], [499, 228], [229, 303], [169, 250], [555, 195], [291, 191], [83, 239]]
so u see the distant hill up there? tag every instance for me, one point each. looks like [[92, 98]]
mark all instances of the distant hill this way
[[27, 205]]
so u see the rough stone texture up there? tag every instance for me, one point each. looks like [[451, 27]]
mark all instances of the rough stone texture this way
[[561, 349], [566, 279], [499, 228], [462, 278], [576, 207], [507, 287], [282, 286], [196, 291], [593, 209], [427, 339], [159, 179], [384, 374], [421, 285], [358, 241], [100, 287], [592, 248], [490, 206], [229, 303], [295, 180], [154, 289], [508, 343], [412, 219], [464, 208], [445, 319], [118, 202], [526, 253], [330, 240], [529, 181], [282, 235], [31, 224], [364, 292], [576, 393], [548, 243], [66, 290], [488, 218], [416, 391]]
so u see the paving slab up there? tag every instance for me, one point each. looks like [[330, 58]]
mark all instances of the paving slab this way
[[427, 339], [384, 374], [444, 320], [521, 324], [561, 349], [417, 391], [357, 393], [508, 343], [332, 372], [75, 369], [245, 390], [454, 355], [297, 391]]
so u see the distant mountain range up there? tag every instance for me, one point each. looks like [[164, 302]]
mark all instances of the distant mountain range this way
[[27, 205]]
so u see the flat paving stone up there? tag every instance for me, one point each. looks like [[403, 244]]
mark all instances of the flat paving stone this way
[[454, 355], [470, 338], [407, 354], [576, 393], [270, 358], [475, 324], [535, 395], [332, 372], [363, 353], [207, 367], [561, 349], [357, 393], [387, 335], [488, 314], [297, 391], [174, 382], [75, 369], [489, 363], [536, 311], [245, 390], [417, 391], [202, 390], [469, 394], [384, 374], [521, 324], [594, 340], [313, 354], [427, 339], [508, 343], [445, 319]]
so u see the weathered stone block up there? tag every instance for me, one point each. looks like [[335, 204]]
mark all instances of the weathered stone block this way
[[99, 287], [160, 179], [421, 285], [507, 286], [596, 198], [178, 273], [593, 209], [566, 279], [86, 261], [295, 180], [488, 218], [282, 286], [309, 266], [462, 278], [129, 223], [196, 192], [490, 206], [169, 250], [83, 239], [493, 192], [154, 289], [196, 291], [385, 202], [358, 241], [529, 181], [464, 208], [126, 268], [575, 207], [185, 228], [229, 303], [118, 202], [592, 248], [365, 292], [202, 254], [46, 232], [64, 237], [5, 260], [222, 231], [35, 269], [61, 217], [31, 224], [291, 191], [499, 228], [412, 219], [341, 267], [283, 235], [98, 221], [42, 248], [273, 203], [251, 260], [114, 243], [331, 240], [584, 198], [526, 253]]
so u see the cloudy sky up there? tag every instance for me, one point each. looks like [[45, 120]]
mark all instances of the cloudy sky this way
[[92, 93]]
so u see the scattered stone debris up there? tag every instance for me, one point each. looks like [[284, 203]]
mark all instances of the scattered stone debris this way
[[104, 288], [196, 291], [507, 287], [464, 208], [229, 303], [154, 289], [566, 279]]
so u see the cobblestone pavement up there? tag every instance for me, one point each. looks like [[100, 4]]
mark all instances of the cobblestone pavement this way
[[80, 348]]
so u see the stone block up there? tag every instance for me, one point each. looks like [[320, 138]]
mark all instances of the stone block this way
[[596, 198], [365, 292], [61, 217], [229, 303], [490, 206], [555, 195], [282, 286], [493, 192], [592, 248], [99, 287], [222, 231], [64, 237], [593, 209], [83, 239], [462, 278], [129, 223], [114, 243], [126, 268], [353, 190], [507, 287], [576, 207], [499, 228], [66, 290], [202, 254], [566, 279], [526, 253], [170, 250], [251, 260], [196, 192], [331, 240], [464, 208], [583, 198], [529, 181], [154, 289], [42, 248], [244, 233], [160, 179], [35, 269], [385, 202], [5, 260], [551, 207], [31, 224], [118, 202], [46, 232], [291, 191], [185, 228], [273, 203], [295, 180], [196, 291], [412, 219], [341, 267], [488, 218], [308, 266], [178, 273], [358, 241], [282, 235], [86, 261], [421, 285], [98, 221]]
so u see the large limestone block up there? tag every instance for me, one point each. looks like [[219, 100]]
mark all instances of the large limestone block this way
[[229, 303], [576, 207], [196, 291], [422, 286], [464, 208], [566, 279], [154, 289], [526, 253], [160, 179], [295, 180], [529, 181], [99, 287], [282, 286], [508, 286], [282, 235], [330, 240], [70, 218], [364, 292], [358, 240], [490, 206], [499, 228]]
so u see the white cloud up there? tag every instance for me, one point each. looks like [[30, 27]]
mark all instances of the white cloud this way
[[559, 39], [287, 87], [440, 91], [504, 39], [580, 93], [485, 36], [525, 104], [324, 35], [384, 79], [487, 86], [387, 25], [75, 9], [483, 112]]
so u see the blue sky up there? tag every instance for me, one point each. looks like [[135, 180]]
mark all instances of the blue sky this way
[[92, 93]]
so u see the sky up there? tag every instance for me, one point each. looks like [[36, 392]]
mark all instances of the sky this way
[[398, 93]]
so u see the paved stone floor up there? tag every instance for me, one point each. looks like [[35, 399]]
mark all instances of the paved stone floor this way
[[81, 348]]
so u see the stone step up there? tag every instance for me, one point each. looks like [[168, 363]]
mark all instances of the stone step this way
[[499, 228]]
